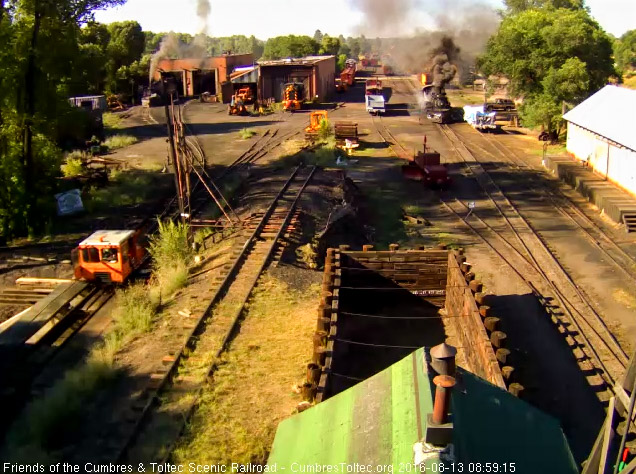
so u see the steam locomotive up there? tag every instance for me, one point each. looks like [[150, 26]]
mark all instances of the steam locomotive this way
[[436, 106]]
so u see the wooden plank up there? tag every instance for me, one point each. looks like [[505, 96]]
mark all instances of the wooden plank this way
[[41, 312], [608, 435], [41, 281]]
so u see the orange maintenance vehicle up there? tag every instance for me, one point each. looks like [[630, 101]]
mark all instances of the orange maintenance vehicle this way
[[108, 256], [292, 96], [315, 121]]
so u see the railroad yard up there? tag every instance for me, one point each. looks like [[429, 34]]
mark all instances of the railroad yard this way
[[311, 266]]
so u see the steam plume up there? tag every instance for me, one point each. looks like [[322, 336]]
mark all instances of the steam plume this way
[[460, 30], [172, 47], [203, 12]]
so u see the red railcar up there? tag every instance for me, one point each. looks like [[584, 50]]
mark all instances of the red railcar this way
[[348, 76]]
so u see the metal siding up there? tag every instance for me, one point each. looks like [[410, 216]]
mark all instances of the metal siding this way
[[584, 144]]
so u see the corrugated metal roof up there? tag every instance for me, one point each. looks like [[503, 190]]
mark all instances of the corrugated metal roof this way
[[306, 61], [245, 76], [378, 421], [611, 113]]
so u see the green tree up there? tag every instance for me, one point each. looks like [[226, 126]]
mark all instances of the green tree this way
[[329, 45], [550, 56], [290, 46], [354, 46], [318, 36], [344, 47], [625, 52], [126, 45], [40, 45], [517, 6]]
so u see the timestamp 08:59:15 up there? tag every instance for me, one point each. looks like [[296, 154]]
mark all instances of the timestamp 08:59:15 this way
[[467, 467]]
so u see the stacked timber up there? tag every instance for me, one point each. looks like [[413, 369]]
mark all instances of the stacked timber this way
[[477, 328]]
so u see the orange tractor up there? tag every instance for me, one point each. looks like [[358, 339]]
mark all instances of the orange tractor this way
[[237, 106], [109, 256], [315, 120], [246, 95], [292, 96]]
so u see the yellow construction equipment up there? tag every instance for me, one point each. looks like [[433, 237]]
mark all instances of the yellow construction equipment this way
[[315, 119], [246, 95], [237, 106]]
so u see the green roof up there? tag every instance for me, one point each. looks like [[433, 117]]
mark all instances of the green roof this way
[[378, 421]]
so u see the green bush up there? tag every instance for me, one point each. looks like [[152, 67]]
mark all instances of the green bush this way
[[74, 165], [325, 130], [246, 133], [119, 141], [111, 120], [170, 245]]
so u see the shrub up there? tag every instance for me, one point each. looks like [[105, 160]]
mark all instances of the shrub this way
[[325, 130], [170, 245], [119, 141], [74, 165], [111, 120], [246, 133]]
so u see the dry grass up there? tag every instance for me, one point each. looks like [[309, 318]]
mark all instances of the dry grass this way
[[291, 146], [119, 141], [624, 298], [253, 387]]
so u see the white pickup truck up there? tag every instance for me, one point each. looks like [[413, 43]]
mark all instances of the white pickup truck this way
[[375, 103]]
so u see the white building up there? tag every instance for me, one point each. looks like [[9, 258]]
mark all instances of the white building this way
[[602, 131]]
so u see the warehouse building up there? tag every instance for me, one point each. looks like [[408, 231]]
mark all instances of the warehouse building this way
[[317, 73], [601, 132], [196, 76]]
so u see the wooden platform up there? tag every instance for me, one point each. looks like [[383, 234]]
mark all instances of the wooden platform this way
[[619, 205]]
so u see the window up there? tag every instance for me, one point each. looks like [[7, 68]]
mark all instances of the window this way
[[109, 255], [90, 255]]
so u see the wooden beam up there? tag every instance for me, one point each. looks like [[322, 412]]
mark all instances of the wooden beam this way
[[42, 281], [608, 436]]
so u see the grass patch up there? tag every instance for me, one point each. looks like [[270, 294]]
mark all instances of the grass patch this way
[[111, 121], [325, 130], [126, 188], [74, 165], [624, 298], [630, 82], [171, 256], [236, 418], [246, 133], [386, 208], [119, 141], [50, 421], [558, 149]]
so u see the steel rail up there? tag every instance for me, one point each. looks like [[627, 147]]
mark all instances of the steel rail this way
[[616, 352], [198, 327]]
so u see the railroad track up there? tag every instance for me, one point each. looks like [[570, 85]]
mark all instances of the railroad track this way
[[200, 341], [621, 260], [387, 137], [53, 336], [549, 281]]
